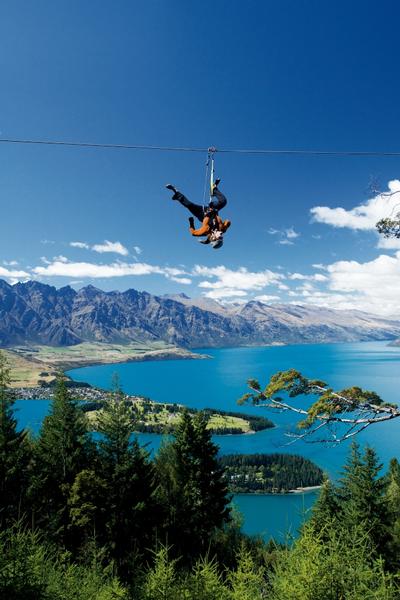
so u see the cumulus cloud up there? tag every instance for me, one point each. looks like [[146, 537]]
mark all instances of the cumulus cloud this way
[[13, 274], [137, 249], [82, 270], [364, 216], [372, 286], [107, 246], [182, 280], [388, 243], [228, 282]]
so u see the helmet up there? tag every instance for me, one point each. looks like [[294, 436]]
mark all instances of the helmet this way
[[218, 243]]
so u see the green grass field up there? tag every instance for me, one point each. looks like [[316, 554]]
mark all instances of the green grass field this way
[[27, 363]]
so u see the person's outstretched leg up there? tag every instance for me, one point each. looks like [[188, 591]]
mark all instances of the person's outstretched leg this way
[[220, 200], [196, 209]]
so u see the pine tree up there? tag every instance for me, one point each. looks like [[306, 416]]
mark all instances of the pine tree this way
[[14, 454], [129, 482], [63, 450], [361, 496], [192, 487], [326, 507], [392, 497], [248, 580]]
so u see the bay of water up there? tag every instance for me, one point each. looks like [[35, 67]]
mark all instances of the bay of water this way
[[221, 380]]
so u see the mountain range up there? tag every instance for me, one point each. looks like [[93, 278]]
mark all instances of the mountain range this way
[[36, 313]]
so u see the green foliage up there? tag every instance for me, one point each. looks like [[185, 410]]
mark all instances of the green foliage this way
[[162, 582], [128, 481], [268, 473], [15, 455], [336, 562], [389, 228], [361, 496], [30, 571], [205, 582], [392, 497], [63, 450], [247, 582], [329, 404], [86, 502], [191, 487], [326, 507]]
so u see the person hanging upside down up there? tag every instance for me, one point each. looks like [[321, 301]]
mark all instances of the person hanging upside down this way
[[212, 226]]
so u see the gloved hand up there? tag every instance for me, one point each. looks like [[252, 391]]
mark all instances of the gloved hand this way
[[191, 222]]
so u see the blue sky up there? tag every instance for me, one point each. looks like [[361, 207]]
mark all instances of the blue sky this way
[[261, 74]]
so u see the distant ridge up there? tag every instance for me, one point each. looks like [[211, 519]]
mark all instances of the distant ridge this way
[[36, 313]]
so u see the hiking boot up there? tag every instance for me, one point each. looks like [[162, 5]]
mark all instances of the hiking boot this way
[[171, 187]]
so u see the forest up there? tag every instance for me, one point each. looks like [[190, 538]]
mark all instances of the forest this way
[[90, 518], [269, 473]]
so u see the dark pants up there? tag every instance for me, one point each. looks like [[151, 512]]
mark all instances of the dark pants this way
[[196, 209]]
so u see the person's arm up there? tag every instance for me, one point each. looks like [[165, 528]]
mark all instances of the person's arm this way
[[223, 225], [204, 229]]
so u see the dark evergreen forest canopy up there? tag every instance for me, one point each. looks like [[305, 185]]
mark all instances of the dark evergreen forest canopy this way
[[269, 473], [100, 519]]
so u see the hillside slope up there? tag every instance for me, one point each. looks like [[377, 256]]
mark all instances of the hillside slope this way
[[35, 313]]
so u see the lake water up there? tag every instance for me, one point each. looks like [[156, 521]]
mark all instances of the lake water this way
[[220, 381]]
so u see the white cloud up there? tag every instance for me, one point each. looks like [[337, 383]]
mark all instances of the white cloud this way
[[107, 246], [301, 277], [82, 245], [60, 258], [364, 216], [10, 263], [81, 270], [137, 249], [388, 243], [13, 274], [227, 282], [287, 235], [225, 293], [182, 280], [291, 233], [373, 286]]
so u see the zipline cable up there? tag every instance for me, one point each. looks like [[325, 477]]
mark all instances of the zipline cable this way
[[272, 152]]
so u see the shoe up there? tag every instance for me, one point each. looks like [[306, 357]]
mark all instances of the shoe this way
[[171, 187]]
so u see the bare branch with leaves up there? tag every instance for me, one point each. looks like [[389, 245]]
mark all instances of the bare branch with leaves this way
[[336, 415]]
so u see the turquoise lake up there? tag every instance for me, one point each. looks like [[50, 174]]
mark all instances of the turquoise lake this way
[[221, 380]]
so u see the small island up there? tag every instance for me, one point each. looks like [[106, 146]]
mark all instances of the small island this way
[[161, 418], [148, 416], [270, 473]]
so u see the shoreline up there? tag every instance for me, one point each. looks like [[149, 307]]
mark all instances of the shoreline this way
[[34, 365], [296, 491], [69, 366]]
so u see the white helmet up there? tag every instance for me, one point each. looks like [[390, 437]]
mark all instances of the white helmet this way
[[218, 243]]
